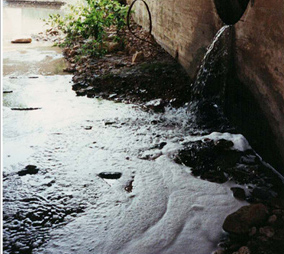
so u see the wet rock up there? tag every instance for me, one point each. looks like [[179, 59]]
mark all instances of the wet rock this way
[[252, 231], [24, 109], [28, 170], [129, 186], [246, 217], [22, 40], [110, 175], [109, 123], [137, 57], [208, 159], [216, 177], [224, 144], [244, 250], [112, 96], [262, 193], [157, 105], [162, 145], [267, 231], [81, 92], [238, 193], [272, 219]]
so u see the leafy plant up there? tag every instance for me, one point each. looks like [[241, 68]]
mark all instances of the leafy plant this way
[[88, 23]]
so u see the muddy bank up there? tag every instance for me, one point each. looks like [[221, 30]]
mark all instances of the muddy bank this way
[[136, 73]]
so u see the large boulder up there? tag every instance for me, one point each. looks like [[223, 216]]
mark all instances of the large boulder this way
[[246, 217]]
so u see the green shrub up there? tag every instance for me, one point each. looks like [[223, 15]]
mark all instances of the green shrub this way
[[88, 22]]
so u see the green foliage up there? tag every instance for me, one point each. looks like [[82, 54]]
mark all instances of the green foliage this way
[[88, 22]]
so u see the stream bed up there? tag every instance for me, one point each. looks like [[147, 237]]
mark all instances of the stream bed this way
[[57, 147]]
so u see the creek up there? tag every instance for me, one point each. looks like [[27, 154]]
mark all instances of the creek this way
[[155, 206]]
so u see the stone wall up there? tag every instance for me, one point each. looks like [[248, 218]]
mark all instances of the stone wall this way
[[185, 29]]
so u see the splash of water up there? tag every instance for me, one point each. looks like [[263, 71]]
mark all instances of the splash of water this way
[[208, 90], [214, 68]]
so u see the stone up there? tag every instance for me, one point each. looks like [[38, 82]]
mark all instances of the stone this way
[[81, 92], [24, 109], [267, 231], [253, 231], [28, 170], [110, 175], [157, 105], [272, 219], [238, 193], [246, 217], [129, 186], [261, 193], [137, 57], [216, 177], [224, 144], [244, 250], [22, 40]]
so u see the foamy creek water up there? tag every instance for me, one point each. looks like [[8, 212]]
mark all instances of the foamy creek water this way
[[66, 207]]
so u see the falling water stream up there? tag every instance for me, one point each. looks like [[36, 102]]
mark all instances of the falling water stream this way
[[156, 206]]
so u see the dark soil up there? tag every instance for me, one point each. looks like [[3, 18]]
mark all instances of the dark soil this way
[[118, 76]]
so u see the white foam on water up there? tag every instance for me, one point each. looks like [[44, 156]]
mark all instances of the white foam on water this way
[[168, 211]]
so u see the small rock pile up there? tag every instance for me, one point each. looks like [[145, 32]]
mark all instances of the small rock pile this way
[[216, 161], [255, 229]]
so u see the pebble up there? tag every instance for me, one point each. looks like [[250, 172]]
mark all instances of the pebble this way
[[30, 169], [110, 175], [238, 193], [22, 40], [267, 231], [244, 250], [272, 219]]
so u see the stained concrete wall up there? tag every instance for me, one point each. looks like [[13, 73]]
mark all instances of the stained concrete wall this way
[[186, 27], [260, 60]]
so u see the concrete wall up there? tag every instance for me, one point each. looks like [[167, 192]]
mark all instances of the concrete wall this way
[[186, 27], [260, 60]]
